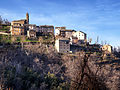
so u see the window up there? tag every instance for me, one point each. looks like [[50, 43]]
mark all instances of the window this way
[[67, 42]]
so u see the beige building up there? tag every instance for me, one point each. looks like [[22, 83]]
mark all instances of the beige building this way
[[62, 45], [107, 48], [19, 27]]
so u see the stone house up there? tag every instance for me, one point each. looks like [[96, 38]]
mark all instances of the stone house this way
[[19, 27], [46, 29], [94, 48], [73, 40], [76, 48], [31, 33], [60, 31], [63, 32], [32, 26], [62, 45], [107, 48], [80, 35], [69, 33]]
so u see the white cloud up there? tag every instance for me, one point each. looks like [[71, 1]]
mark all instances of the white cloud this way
[[89, 20], [10, 15]]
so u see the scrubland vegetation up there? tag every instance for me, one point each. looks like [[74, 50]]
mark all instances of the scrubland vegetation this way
[[8, 39], [40, 67]]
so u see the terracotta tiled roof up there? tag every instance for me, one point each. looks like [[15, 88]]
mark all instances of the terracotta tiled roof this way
[[46, 26], [68, 30], [19, 20], [60, 27]]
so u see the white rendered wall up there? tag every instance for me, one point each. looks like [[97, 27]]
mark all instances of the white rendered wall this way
[[79, 35], [57, 32]]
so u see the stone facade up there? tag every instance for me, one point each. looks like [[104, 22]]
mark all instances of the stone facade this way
[[63, 32], [31, 33], [107, 48], [19, 27], [46, 29], [32, 26], [62, 45], [73, 40], [68, 33]]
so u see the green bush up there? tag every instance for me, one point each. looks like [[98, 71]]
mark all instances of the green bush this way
[[29, 78]]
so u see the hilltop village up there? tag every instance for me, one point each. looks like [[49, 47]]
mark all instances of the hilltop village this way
[[65, 40], [46, 57]]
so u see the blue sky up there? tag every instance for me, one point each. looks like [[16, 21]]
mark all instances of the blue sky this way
[[95, 17]]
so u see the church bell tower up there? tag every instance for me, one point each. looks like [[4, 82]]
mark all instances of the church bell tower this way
[[27, 17]]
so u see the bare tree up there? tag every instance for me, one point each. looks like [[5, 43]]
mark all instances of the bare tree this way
[[97, 41], [1, 20], [90, 40], [80, 74], [22, 40], [7, 22]]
